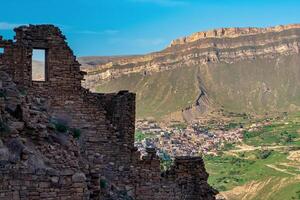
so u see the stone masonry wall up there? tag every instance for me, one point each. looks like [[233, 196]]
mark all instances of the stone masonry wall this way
[[108, 166], [35, 161]]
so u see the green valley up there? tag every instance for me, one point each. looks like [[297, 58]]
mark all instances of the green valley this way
[[266, 165]]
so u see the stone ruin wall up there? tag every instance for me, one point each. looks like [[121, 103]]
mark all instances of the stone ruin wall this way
[[105, 149]]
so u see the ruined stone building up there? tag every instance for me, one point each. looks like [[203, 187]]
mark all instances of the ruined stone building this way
[[39, 156]]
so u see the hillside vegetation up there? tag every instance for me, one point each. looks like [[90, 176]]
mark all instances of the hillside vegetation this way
[[158, 94], [265, 166], [256, 86]]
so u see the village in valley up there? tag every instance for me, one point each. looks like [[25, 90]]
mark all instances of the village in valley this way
[[192, 139]]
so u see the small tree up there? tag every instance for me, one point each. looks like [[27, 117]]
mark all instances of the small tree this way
[[165, 161]]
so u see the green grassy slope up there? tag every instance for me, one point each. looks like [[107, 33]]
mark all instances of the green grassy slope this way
[[261, 85], [282, 132], [268, 171], [160, 93], [227, 172]]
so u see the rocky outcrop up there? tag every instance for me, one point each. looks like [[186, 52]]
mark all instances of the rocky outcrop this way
[[227, 45], [201, 106], [231, 33]]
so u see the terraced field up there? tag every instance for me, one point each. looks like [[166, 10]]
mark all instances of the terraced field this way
[[266, 166]]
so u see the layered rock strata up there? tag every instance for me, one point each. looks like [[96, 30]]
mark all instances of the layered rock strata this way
[[227, 45]]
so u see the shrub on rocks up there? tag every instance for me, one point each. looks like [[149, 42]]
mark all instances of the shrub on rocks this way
[[76, 133], [62, 126], [4, 128]]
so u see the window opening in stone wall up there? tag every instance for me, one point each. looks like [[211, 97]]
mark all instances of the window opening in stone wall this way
[[1, 50], [39, 65]]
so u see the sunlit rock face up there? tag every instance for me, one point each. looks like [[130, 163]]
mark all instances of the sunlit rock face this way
[[241, 69]]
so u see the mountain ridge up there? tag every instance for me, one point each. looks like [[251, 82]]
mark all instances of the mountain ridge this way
[[231, 33], [221, 62], [285, 40]]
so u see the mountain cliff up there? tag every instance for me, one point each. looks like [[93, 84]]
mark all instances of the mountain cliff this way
[[239, 69]]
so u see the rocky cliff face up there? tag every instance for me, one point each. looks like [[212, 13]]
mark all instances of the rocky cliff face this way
[[231, 33], [268, 51], [228, 45]]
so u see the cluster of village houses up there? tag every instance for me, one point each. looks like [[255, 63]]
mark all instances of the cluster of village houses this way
[[190, 140]]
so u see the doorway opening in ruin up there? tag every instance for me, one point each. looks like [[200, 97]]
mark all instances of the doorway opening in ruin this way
[[39, 65], [1, 50]]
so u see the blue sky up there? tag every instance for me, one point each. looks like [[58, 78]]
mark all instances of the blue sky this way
[[123, 27]]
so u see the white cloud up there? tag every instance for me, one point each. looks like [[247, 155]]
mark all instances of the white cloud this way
[[163, 2], [110, 32], [8, 26], [104, 32], [151, 41], [138, 41]]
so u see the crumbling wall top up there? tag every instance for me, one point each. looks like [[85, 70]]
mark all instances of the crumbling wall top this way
[[39, 36], [61, 67]]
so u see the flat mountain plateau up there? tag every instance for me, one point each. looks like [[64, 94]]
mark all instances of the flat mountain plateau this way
[[251, 70]]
